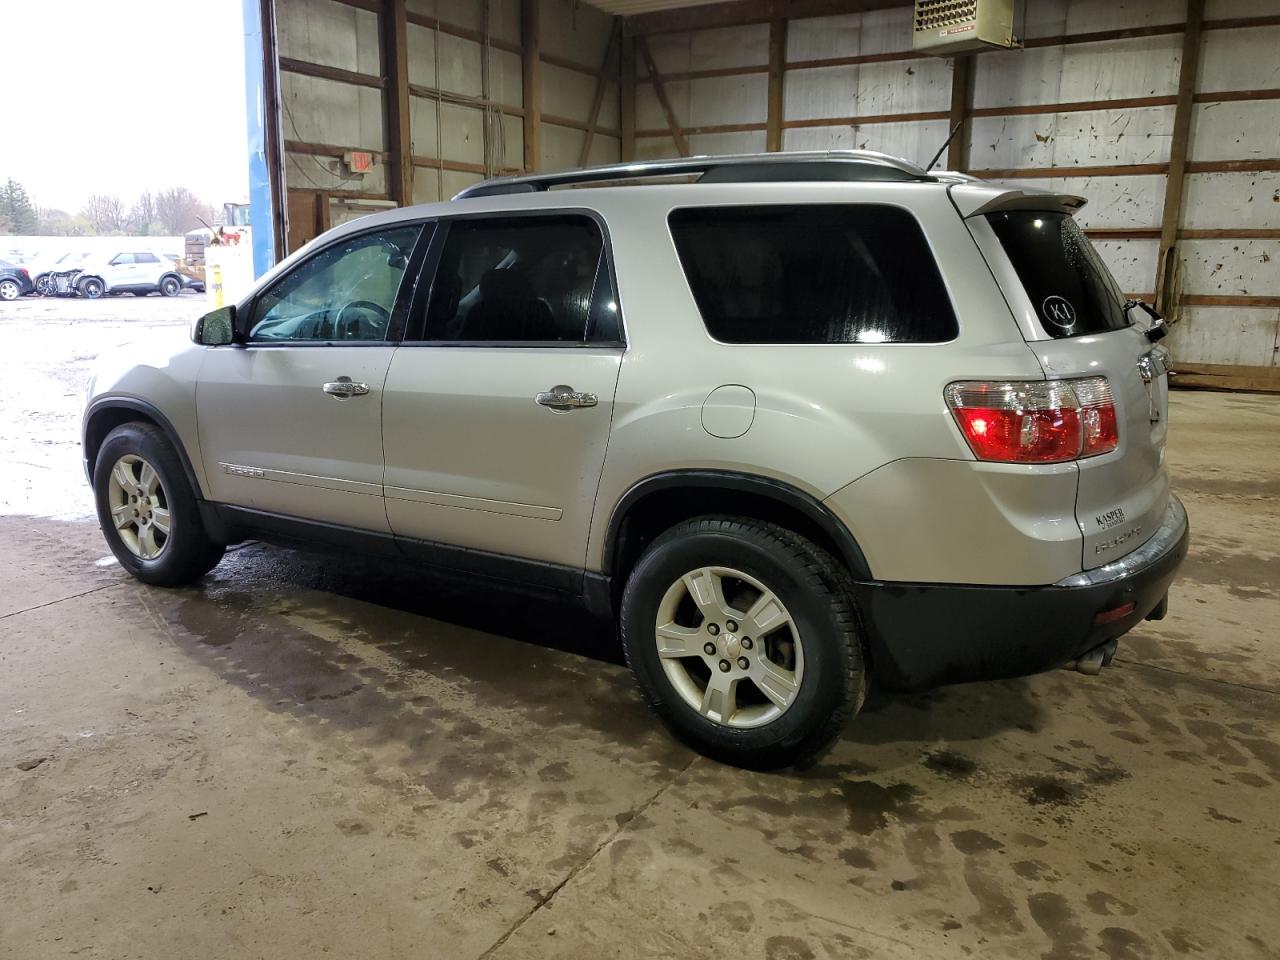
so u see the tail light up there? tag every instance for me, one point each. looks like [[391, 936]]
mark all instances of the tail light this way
[[1038, 421]]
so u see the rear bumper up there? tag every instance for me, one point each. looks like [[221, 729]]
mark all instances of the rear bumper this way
[[925, 635]]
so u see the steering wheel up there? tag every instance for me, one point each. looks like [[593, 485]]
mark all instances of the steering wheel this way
[[354, 327]]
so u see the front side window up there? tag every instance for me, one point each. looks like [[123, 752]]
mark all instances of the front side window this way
[[533, 279], [346, 292], [813, 273], [145, 258], [1070, 287], [122, 259]]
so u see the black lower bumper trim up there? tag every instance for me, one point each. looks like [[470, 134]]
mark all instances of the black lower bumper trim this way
[[927, 635]]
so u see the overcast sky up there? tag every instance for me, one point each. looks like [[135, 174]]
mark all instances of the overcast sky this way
[[122, 97]]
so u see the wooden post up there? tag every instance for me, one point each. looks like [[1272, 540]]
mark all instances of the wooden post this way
[[597, 99], [1179, 147], [627, 94], [395, 100], [530, 41], [777, 74], [682, 145], [961, 104]]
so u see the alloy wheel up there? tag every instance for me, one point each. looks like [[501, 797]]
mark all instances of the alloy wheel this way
[[729, 647], [139, 507], [8, 290]]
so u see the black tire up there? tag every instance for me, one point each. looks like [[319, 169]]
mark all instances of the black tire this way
[[92, 288], [170, 286], [816, 591], [44, 285], [10, 289], [141, 293], [188, 553]]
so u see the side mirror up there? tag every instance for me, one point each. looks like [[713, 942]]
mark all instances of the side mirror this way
[[216, 328]]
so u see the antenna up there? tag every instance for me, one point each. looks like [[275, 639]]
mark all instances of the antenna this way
[[945, 143]]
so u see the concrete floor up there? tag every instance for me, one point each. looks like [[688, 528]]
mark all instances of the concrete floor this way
[[307, 757]]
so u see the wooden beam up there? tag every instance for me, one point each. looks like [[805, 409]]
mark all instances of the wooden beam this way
[[394, 35], [682, 146], [868, 118], [531, 59], [777, 73], [337, 74], [627, 95], [711, 16], [1225, 376], [463, 33], [597, 99], [752, 126], [1179, 149], [962, 69]]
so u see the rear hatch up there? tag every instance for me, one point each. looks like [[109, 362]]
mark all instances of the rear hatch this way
[[1072, 312]]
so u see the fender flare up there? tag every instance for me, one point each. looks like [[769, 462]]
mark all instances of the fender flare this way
[[811, 507], [151, 412]]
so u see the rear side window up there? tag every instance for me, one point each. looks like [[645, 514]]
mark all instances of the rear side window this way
[[1070, 287], [836, 273], [534, 279]]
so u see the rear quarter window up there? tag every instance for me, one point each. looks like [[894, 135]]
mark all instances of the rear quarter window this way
[[813, 273], [1066, 279]]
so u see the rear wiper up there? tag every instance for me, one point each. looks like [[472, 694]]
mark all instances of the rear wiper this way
[[1158, 328]]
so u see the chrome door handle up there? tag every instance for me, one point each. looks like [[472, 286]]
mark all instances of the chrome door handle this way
[[565, 398], [344, 389]]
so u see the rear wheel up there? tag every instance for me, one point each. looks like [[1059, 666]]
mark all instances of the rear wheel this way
[[92, 288], [742, 638], [170, 286], [147, 509], [9, 290]]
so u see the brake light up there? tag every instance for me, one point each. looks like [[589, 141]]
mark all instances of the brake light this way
[[1038, 421]]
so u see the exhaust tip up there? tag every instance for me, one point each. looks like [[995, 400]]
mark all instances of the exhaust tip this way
[[1091, 663]]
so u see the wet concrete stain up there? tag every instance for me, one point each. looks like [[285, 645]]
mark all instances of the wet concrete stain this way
[[1247, 576], [1119, 943], [857, 858], [997, 913], [1106, 905], [950, 764], [787, 948], [1053, 915], [971, 842]]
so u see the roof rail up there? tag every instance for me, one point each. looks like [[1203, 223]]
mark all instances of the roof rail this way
[[843, 165]]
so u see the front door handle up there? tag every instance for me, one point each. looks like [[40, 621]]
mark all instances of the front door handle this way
[[344, 389], [562, 398]]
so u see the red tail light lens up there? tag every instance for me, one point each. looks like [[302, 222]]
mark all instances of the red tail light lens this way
[[1043, 421]]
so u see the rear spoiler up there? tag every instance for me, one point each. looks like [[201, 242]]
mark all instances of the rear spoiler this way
[[976, 199]]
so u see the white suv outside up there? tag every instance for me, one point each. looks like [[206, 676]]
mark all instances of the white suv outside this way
[[139, 272], [814, 421]]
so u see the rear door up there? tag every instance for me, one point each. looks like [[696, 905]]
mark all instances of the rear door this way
[[1074, 312], [497, 408]]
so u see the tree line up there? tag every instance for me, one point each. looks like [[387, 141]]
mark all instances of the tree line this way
[[169, 212]]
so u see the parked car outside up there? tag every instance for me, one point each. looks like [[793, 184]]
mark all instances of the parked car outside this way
[[15, 281], [138, 272], [813, 422], [42, 276]]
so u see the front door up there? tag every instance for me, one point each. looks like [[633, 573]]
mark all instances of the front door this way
[[497, 409], [290, 420]]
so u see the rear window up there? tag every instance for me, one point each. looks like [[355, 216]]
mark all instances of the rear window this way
[[1070, 287], [835, 273]]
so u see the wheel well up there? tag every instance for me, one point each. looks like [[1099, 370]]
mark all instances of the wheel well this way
[[166, 276], [102, 422], [653, 513]]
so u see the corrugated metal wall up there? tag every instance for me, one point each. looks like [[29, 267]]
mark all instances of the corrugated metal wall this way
[[466, 97]]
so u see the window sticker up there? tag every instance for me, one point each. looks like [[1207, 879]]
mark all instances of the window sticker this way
[[1059, 312]]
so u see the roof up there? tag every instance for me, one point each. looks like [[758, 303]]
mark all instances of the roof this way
[[817, 165]]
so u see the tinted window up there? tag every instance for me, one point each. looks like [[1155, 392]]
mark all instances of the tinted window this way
[[121, 259], [523, 279], [345, 292], [1070, 287], [145, 258], [848, 273]]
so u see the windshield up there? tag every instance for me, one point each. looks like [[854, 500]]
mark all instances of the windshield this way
[[1070, 287]]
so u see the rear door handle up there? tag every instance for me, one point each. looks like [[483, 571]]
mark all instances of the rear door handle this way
[[344, 389], [563, 398]]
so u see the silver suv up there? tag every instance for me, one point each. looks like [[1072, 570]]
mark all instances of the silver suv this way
[[812, 421]]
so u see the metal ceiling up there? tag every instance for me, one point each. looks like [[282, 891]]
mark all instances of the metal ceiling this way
[[627, 8]]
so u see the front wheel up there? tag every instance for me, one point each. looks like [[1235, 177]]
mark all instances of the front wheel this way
[[742, 638], [92, 288], [147, 509]]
